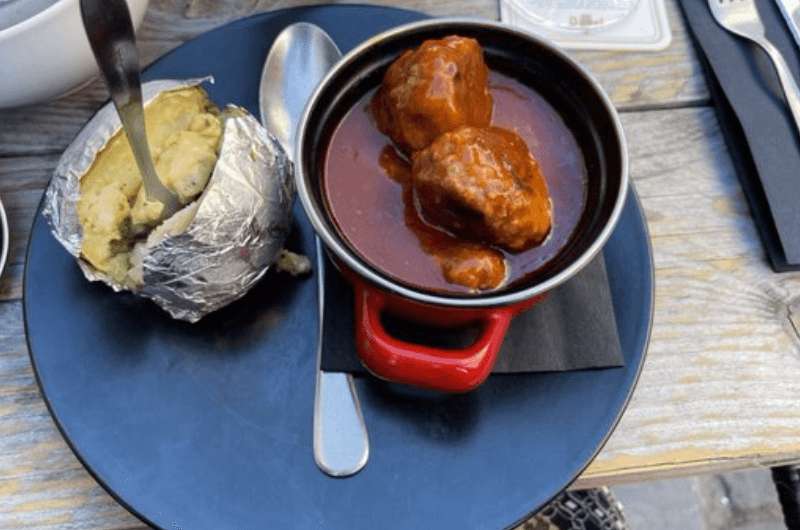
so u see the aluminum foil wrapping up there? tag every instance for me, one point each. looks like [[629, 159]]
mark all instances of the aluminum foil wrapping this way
[[215, 249]]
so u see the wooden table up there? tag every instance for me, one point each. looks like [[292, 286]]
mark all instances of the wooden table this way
[[721, 383]]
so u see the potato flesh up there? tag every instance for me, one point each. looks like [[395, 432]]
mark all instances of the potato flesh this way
[[184, 132]]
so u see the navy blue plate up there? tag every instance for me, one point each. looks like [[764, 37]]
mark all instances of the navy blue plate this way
[[209, 426]]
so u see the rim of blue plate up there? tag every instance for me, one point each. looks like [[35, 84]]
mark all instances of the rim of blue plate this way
[[6, 241], [632, 195]]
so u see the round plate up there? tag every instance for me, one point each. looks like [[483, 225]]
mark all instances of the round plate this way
[[209, 425]]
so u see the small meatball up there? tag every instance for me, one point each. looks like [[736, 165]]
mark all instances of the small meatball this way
[[473, 266], [436, 88], [485, 186]]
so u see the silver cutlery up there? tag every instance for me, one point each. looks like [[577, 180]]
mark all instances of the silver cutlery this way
[[790, 9], [741, 18], [298, 60], [109, 28]]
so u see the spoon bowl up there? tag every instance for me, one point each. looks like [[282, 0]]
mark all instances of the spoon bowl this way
[[299, 58]]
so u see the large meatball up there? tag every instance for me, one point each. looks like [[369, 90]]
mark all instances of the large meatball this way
[[466, 263], [436, 88], [484, 185]]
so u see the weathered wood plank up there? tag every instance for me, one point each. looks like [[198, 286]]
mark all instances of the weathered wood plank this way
[[637, 80], [670, 77], [11, 282], [21, 182], [26, 173], [720, 386], [20, 209], [634, 80]]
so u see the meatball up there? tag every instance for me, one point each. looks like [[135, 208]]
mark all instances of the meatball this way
[[433, 89], [484, 185], [473, 266]]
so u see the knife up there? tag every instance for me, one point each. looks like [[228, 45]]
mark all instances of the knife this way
[[791, 13]]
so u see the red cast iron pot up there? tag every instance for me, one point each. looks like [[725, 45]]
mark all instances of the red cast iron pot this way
[[588, 113]]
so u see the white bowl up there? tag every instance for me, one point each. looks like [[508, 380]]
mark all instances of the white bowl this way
[[48, 55]]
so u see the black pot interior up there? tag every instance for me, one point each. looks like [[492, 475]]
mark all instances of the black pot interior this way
[[556, 79]]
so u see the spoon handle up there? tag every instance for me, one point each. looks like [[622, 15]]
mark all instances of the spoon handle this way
[[109, 28], [341, 442]]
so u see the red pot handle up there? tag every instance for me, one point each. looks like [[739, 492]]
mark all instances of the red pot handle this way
[[424, 366]]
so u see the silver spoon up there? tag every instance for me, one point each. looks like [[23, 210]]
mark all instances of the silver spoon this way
[[299, 58], [110, 31]]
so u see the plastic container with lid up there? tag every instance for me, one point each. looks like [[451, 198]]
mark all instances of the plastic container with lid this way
[[593, 24]]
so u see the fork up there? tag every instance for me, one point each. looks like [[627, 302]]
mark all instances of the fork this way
[[741, 18]]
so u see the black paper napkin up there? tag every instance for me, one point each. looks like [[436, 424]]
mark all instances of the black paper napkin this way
[[572, 329], [756, 123]]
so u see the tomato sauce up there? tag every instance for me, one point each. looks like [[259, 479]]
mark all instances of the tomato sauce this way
[[367, 190]]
